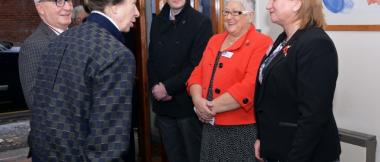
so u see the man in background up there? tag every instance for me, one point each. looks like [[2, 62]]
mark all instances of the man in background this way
[[79, 15], [179, 35]]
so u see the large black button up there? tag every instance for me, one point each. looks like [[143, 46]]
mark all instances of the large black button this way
[[217, 91], [220, 65], [245, 100]]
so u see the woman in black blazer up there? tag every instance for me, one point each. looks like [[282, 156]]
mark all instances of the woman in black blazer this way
[[295, 88]]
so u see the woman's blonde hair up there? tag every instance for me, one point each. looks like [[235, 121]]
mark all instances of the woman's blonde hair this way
[[311, 11]]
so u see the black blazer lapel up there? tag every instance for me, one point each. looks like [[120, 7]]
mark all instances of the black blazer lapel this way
[[279, 58], [261, 87]]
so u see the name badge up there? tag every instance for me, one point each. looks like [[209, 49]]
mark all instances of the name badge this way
[[227, 54]]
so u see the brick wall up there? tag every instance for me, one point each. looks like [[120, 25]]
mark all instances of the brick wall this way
[[18, 19]]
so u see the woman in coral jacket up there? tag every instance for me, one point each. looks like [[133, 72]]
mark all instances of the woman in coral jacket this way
[[222, 85]]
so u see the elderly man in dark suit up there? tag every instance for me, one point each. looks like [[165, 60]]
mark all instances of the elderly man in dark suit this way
[[56, 17]]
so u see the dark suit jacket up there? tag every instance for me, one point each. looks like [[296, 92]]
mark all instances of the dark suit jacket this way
[[175, 49], [82, 96], [30, 54], [294, 102]]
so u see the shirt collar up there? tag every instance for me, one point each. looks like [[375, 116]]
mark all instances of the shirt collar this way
[[171, 16], [57, 31]]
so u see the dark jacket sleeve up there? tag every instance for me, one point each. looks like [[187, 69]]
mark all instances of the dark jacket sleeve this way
[[28, 62], [110, 116], [177, 83], [317, 70], [153, 29]]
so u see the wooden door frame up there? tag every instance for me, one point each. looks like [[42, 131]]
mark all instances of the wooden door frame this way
[[144, 128]]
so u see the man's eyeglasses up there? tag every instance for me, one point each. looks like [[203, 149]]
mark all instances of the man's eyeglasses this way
[[58, 3], [234, 13]]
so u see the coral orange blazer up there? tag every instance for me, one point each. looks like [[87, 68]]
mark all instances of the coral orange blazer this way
[[235, 73]]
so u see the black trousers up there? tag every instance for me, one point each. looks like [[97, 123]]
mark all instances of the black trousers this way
[[181, 137]]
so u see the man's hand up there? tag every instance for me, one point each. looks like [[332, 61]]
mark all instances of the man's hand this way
[[159, 92]]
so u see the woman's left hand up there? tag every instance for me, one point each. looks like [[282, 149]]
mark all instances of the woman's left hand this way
[[203, 109]]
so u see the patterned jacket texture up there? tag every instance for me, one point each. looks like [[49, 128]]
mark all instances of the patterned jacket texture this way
[[82, 97], [31, 50]]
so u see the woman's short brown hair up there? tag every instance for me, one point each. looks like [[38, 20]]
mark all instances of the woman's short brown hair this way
[[311, 11], [99, 5]]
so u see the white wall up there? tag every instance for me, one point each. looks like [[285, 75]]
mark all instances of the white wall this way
[[357, 96], [356, 104]]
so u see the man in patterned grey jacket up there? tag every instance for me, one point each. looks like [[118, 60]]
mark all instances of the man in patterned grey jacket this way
[[82, 95], [55, 19]]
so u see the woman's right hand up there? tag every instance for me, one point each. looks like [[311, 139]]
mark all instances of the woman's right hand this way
[[203, 109]]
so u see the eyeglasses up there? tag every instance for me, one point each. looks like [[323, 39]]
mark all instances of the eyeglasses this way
[[234, 13], [58, 3]]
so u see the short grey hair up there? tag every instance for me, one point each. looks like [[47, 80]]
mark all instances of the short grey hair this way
[[36, 1], [248, 5], [76, 10]]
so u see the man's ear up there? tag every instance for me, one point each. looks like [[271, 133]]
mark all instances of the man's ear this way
[[40, 9]]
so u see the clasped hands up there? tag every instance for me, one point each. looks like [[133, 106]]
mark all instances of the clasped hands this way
[[204, 109], [159, 92]]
